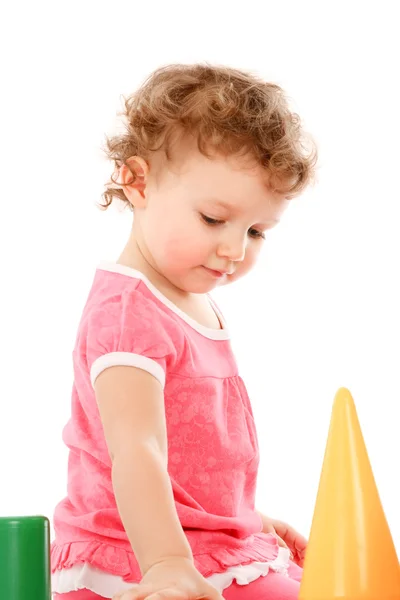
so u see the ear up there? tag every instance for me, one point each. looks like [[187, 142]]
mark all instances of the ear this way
[[133, 173]]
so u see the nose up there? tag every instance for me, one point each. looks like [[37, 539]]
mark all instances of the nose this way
[[232, 248]]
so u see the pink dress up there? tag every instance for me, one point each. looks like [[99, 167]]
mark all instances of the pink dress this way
[[213, 452]]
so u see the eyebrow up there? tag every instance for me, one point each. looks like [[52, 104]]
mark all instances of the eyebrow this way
[[227, 206], [221, 203]]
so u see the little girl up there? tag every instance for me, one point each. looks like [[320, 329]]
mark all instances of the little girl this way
[[163, 452]]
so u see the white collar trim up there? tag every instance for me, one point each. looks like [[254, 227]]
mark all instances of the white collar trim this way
[[213, 334]]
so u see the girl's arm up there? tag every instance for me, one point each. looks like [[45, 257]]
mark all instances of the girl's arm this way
[[131, 404]]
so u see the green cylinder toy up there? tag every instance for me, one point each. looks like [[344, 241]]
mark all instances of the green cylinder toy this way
[[25, 558]]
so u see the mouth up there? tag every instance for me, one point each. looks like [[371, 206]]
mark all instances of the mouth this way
[[216, 274]]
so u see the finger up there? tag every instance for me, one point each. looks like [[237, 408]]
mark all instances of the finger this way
[[301, 558], [173, 594], [163, 596], [269, 528], [139, 593], [293, 539], [215, 595], [281, 542], [300, 543], [168, 594], [212, 594], [284, 531]]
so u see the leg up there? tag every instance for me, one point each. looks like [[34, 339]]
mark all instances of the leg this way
[[79, 595], [273, 586], [295, 572]]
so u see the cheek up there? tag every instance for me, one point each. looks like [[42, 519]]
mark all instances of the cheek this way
[[184, 247], [249, 261], [252, 253]]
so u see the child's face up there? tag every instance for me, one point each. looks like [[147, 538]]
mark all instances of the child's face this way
[[203, 223]]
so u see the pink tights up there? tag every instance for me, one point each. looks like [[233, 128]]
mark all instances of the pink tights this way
[[271, 587]]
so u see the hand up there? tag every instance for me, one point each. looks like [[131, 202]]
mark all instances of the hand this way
[[172, 579], [288, 537]]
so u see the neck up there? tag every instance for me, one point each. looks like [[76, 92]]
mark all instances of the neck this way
[[136, 256]]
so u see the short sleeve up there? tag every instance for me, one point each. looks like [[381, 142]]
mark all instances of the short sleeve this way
[[130, 330]]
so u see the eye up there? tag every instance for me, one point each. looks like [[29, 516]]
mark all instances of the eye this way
[[210, 221], [254, 233]]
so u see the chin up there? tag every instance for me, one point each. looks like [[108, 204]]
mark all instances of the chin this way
[[201, 288], [188, 286]]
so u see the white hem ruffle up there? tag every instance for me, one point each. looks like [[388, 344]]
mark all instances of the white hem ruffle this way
[[84, 576]]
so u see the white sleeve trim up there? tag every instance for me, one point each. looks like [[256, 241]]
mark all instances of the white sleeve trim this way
[[127, 359]]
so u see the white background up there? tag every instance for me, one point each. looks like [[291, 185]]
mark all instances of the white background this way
[[322, 309]]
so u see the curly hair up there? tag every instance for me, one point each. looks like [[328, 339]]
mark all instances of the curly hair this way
[[227, 111]]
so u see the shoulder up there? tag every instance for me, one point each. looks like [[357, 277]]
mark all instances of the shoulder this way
[[124, 301], [123, 321]]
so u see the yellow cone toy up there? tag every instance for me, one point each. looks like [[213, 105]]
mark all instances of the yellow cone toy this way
[[350, 553]]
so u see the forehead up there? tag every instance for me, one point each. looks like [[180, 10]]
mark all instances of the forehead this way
[[230, 183]]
